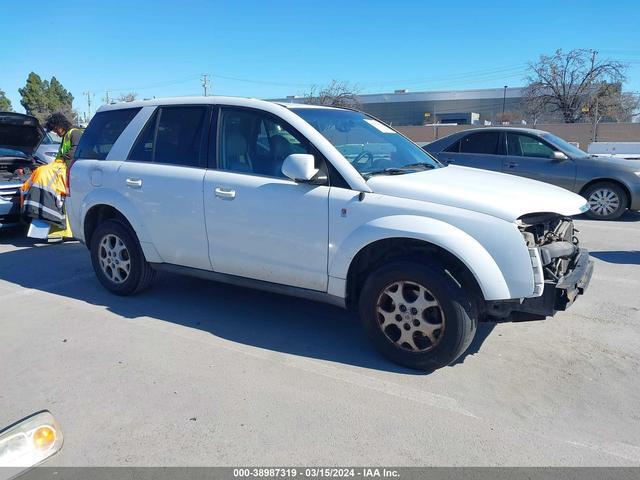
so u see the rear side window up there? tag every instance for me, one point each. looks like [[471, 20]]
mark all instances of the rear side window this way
[[481, 142], [173, 135], [102, 133], [454, 147]]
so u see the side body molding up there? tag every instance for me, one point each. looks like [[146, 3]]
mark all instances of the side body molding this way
[[477, 259]]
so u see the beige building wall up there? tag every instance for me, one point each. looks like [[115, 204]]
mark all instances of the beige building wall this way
[[582, 133]]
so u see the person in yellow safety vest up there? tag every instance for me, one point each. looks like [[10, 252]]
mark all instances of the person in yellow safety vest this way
[[43, 193], [61, 126]]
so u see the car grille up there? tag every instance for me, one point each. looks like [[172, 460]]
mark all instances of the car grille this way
[[9, 193]]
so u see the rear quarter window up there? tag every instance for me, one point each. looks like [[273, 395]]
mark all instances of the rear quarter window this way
[[102, 133]]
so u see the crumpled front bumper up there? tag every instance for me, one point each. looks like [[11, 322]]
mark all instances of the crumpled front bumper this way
[[559, 295]]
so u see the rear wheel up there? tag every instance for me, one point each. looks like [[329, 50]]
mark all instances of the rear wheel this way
[[118, 260], [607, 201], [417, 315]]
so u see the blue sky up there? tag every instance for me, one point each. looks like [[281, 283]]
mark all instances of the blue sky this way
[[276, 48]]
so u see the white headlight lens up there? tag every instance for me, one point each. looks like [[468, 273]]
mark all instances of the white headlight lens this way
[[30, 441], [637, 173]]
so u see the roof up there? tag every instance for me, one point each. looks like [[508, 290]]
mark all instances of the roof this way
[[200, 100], [504, 128]]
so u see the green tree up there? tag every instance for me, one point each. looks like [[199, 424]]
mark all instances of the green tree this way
[[5, 103], [58, 98], [41, 98], [34, 96]]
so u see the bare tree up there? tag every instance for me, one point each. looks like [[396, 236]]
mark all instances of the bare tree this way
[[565, 83], [533, 105], [336, 94], [128, 97], [611, 104]]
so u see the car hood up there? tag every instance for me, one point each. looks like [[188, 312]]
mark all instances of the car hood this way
[[19, 132], [497, 194], [608, 161]]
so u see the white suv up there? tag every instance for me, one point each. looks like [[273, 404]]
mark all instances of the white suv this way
[[324, 203]]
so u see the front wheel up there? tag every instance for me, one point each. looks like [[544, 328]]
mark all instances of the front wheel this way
[[417, 315], [607, 201], [118, 260]]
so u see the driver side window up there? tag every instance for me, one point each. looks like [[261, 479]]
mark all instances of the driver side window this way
[[520, 145], [256, 142]]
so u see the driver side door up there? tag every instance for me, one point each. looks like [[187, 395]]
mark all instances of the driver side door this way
[[531, 157], [260, 224]]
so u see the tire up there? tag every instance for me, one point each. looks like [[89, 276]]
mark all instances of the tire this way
[[118, 260], [607, 201], [455, 312]]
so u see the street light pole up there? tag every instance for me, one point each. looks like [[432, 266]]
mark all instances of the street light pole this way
[[504, 101]]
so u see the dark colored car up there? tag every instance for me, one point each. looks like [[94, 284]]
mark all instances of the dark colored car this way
[[20, 135], [610, 185]]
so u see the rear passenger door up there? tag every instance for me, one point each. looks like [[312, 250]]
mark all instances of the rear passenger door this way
[[163, 178]]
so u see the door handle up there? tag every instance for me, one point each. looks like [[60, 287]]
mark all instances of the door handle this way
[[512, 164], [225, 193], [133, 182]]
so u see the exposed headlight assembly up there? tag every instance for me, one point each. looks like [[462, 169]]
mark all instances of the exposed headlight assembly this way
[[30, 441]]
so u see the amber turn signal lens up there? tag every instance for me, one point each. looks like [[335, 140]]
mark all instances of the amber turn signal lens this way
[[44, 437]]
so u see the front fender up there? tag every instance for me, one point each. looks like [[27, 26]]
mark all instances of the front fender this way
[[459, 243], [112, 198]]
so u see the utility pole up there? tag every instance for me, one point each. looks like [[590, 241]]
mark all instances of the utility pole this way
[[595, 121], [594, 53], [89, 95], [504, 101], [205, 83], [435, 121], [107, 98]]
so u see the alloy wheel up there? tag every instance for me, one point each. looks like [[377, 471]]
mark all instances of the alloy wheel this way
[[410, 316], [114, 258]]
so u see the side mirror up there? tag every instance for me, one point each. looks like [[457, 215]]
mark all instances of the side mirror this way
[[559, 156], [299, 167]]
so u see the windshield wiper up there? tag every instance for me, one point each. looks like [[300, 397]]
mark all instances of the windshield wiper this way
[[399, 170], [385, 171], [425, 165]]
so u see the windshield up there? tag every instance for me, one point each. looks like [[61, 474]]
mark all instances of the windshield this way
[[51, 138], [566, 147], [369, 145]]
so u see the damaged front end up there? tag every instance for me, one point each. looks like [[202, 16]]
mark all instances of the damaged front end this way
[[562, 270]]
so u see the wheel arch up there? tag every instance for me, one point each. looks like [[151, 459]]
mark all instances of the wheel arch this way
[[98, 214], [102, 206], [619, 183], [379, 252], [387, 238]]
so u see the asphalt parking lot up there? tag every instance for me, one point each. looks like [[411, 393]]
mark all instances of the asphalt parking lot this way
[[196, 373]]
